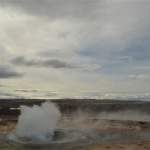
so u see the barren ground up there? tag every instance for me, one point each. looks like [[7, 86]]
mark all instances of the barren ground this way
[[8, 124]]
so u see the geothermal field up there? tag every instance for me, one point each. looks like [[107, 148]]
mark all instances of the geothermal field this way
[[75, 125]]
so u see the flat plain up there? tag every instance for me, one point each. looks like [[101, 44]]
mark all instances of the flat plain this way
[[130, 119]]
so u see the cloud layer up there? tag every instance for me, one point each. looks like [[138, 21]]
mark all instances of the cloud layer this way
[[7, 72], [75, 48], [54, 63], [58, 9]]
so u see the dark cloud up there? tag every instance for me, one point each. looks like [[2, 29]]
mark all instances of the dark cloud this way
[[57, 9], [53, 63], [9, 95], [51, 94], [20, 61], [25, 90], [33, 90], [7, 72]]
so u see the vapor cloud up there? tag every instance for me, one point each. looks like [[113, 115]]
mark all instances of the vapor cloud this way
[[7, 72], [38, 123]]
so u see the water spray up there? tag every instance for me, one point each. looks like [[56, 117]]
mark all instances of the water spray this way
[[38, 122]]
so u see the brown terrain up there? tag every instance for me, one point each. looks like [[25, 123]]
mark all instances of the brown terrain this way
[[9, 119], [9, 124]]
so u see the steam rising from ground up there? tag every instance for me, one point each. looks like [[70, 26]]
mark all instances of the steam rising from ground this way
[[125, 115], [133, 115], [38, 122]]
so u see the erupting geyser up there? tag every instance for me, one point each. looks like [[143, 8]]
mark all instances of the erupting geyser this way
[[38, 122]]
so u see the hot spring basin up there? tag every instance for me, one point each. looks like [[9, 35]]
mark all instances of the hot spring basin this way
[[74, 139], [59, 136]]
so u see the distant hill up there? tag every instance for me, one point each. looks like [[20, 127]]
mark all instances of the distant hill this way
[[67, 100]]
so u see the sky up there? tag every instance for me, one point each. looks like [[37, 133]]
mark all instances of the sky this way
[[75, 49]]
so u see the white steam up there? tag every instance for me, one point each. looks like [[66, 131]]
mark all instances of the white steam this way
[[38, 122]]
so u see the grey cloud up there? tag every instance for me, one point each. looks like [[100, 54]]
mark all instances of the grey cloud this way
[[63, 34], [53, 63], [25, 90], [7, 72], [5, 94], [51, 94], [55, 53], [20, 61], [2, 50], [145, 77], [57, 9], [2, 85], [142, 96], [33, 90]]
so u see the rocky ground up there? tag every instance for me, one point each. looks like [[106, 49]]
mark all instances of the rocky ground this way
[[130, 126], [7, 124], [139, 145]]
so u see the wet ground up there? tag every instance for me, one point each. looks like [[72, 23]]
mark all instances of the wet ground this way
[[94, 137], [86, 134]]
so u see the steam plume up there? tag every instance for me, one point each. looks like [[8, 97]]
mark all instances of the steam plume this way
[[38, 123]]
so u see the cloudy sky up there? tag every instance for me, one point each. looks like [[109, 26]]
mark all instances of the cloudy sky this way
[[75, 49]]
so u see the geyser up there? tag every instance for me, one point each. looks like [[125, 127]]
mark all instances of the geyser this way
[[38, 122]]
